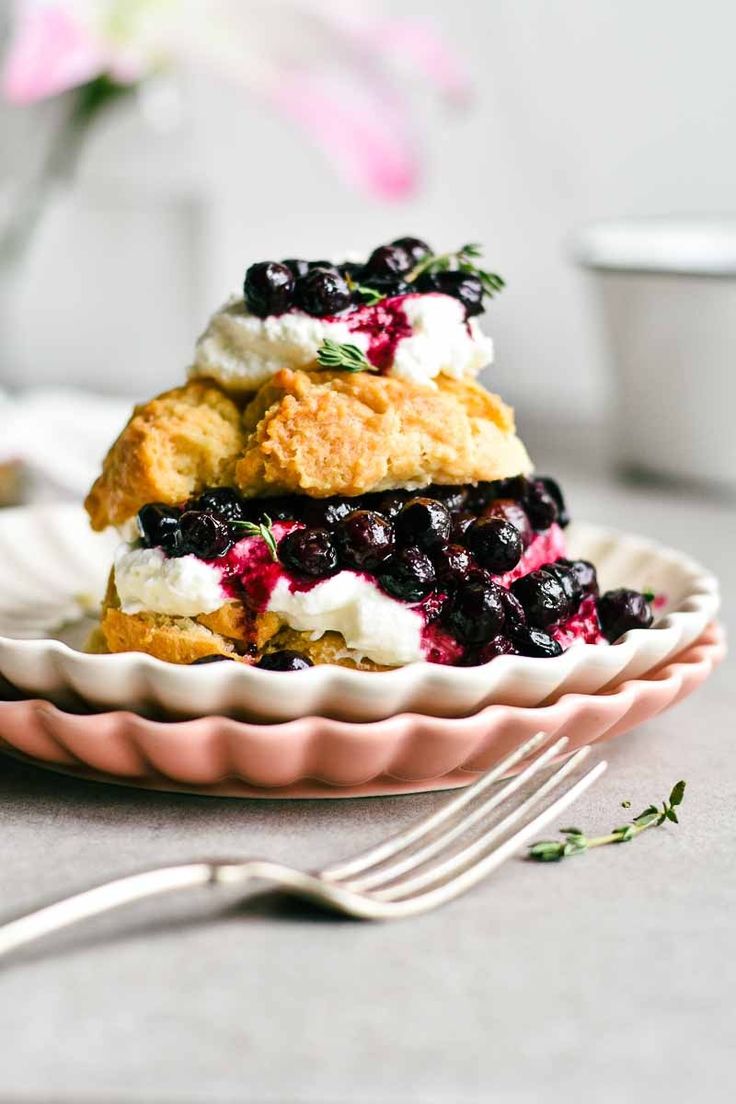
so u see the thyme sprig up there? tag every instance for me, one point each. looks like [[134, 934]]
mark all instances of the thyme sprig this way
[[341, 357], [369, 295], [464, 259], [575, 841], [264, 530]]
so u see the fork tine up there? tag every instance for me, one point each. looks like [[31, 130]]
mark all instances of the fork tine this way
[[382, 874], [418, 829], [477, 871], [455, 860]]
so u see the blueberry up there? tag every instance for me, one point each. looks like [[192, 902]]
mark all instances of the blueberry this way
[[585, 575], [514, 611], [284, 661], [223, 501], [453, 564], [553, 490], [476, 613], [480, 495], [330, 266], [535, 643], [297, 267], [268, 288], [453, 496], [365, 540], [280, 508], [513, 512], [621, 610], [461, 522], [462, 286], [327, 512], [388, 260], [390, 503], [543, 598], [159, 527], [211, 659], [496, 646], [424, 522], [540, 505], [409, 575], [205, 535], [386, 284], [567, 580], [495, 543], [309, 552], [323, 292], [415, 248]]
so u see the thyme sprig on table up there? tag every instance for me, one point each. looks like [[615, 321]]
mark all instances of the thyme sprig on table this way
[[464, 259], [576, 842], [263, 529], [341, 357]]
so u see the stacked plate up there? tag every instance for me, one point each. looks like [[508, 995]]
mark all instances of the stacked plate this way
[[326, 731]]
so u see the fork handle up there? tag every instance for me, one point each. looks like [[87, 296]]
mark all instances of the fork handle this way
[[105, 897]]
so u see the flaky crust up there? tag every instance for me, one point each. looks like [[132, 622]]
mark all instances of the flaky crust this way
[[171, 448], [326, 434]]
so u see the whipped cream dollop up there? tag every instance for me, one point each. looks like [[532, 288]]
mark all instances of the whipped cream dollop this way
[[417, 337], [147, 580]]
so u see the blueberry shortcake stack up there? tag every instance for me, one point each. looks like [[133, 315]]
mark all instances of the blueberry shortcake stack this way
[[333, 485]]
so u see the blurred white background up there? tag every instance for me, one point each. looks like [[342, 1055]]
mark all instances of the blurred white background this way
[[582, 110]]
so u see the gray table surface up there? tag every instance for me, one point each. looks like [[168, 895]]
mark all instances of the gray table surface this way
[[607, 978]]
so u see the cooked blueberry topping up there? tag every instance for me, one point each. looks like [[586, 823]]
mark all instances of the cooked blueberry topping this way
[[268, 288], [159, 527], [453, 496], [387, 284], [415, 248], [496, 646], [585, 575], [540, 505], [327, 512], [495, 543], [297, 267], [280, 508], [409, 575], [460, 285], [567, 580], [365, 540], [514, 611], [476, 613], [205, 535], [621, 610], [223, 501], [480, 495], [543, 598], [535, 643], [323, 292], [453, 564], [424, 522], [552, 488], [390, 503], [461, 522], [211, 659], [309, 552], [513, 512], [388, 260], [284, 661]]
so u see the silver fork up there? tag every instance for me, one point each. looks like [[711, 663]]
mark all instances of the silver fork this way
[[419, 868]]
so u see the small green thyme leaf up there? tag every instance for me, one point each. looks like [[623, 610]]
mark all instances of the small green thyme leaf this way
[[464, 260], [369, 295], [264, 530], [341, 357], [576, 841]]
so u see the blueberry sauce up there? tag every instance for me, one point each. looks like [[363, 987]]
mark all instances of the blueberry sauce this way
[[385, 325]]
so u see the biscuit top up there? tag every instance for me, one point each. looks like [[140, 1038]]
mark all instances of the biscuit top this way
[[406, 312]]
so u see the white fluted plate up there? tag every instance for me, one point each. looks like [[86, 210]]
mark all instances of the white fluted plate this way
[[53, 572]]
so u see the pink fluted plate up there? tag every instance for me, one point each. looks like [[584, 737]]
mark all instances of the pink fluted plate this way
[[315, 757]]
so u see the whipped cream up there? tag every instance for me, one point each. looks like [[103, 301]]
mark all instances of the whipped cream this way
[[374, 625], [431, 338], [147, 580]]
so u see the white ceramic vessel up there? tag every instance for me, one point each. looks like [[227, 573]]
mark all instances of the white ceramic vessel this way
[[53, 571], [667, 292]]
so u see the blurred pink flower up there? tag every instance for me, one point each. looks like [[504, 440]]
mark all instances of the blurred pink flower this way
[[346, 95]]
